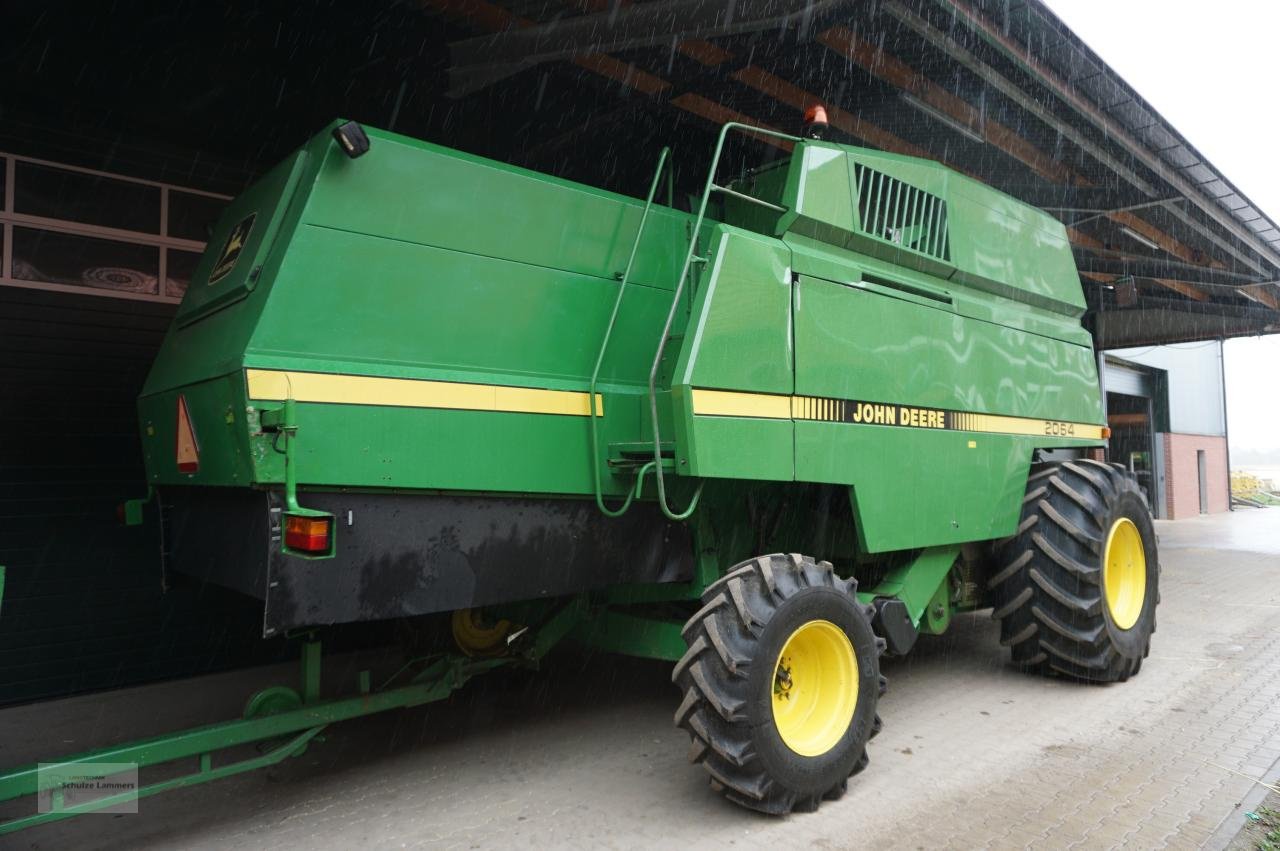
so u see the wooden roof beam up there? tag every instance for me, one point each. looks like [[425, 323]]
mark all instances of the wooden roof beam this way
[[1167, 243], [1182, 288], [884, 65], [697, 49], [718, 113], [965, 14], [1185, 288], [799, 99], [952, 48], [892, 70], [1261, 294], [622, 72], [492, 17], [704, 51]]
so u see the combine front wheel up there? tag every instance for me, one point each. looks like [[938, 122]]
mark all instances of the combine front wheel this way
[[780, 683]]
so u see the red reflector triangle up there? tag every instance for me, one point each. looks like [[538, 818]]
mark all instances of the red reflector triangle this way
[[188, 451]]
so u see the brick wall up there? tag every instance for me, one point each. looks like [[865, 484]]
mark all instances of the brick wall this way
[[1182, 474]]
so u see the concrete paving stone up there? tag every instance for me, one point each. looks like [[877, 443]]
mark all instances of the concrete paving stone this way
[[1200, 827], [1145, 801], [1023, 836], [1106, 835], [512, 762], [1181, 843], [1145, 836]]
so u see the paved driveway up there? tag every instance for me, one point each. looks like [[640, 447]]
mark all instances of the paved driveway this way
[[973, 754]]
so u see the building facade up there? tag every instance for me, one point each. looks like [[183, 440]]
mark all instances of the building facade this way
[[1166, 406]]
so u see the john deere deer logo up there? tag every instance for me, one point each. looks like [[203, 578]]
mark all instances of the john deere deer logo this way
[[231, 250]]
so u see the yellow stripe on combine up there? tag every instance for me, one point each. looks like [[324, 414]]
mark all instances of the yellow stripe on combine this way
[[994, 423], [277, 385], [726, 403]]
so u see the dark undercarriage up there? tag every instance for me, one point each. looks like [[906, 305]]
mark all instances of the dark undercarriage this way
[[400, 555]]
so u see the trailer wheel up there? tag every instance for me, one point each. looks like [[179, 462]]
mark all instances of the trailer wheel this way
[[477, 635], [780, 683], [1076, 588]]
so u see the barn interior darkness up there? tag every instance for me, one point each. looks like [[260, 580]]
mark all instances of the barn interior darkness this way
[[208, 96]]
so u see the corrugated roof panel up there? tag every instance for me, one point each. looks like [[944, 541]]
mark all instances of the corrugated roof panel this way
[[1067, 61], [1041, 33], [1179, 156], [1216, 188], [1102, 90], [1132, 114], [1157, 137], [1199, 173]]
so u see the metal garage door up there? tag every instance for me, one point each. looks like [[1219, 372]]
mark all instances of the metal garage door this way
[[1121, 378]]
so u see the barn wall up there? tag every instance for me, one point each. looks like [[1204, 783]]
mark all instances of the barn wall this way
[[1182, 474], [84, 604]]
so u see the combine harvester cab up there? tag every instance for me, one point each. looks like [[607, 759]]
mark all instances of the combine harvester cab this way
[[844, 399]]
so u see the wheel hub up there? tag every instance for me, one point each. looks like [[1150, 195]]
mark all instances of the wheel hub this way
[[815, 688], [1124, 573]]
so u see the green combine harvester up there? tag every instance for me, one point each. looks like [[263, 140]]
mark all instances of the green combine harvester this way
[[845, 398]]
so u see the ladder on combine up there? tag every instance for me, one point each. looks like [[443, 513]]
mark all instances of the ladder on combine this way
[[691, 258]]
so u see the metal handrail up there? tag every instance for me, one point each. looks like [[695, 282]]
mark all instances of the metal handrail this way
[[604, 344], [675, 303]]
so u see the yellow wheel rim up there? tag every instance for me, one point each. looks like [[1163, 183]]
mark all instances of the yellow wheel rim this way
[[815, 688], [1124, 573], [475, 637]]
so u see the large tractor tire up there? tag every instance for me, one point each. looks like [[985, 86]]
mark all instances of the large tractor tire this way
[[1076, 588], [780, 683]]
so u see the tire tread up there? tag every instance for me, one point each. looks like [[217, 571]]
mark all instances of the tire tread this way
[[1047, 589]]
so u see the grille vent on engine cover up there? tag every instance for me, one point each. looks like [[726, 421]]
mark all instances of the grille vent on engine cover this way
[[892, 210]]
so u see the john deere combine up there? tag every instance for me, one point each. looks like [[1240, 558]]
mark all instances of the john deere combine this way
[[843, 399]]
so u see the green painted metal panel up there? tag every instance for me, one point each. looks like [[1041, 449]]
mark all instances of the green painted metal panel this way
[[996, 238], [244, 236], [412, 448], [946, 493], [739, 448], [819, 194], [738, 338], [919, 215], [219, 419], [739, 334], [215, 322], [634, 635], [812, 257], [406, 189], [405, 309], [916, 582], [856, 343]]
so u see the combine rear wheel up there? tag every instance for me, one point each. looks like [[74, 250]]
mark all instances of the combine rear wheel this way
[[780, 683], [1076, 588]]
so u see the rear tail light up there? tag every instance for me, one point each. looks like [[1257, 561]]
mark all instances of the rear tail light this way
[[308, 534]]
